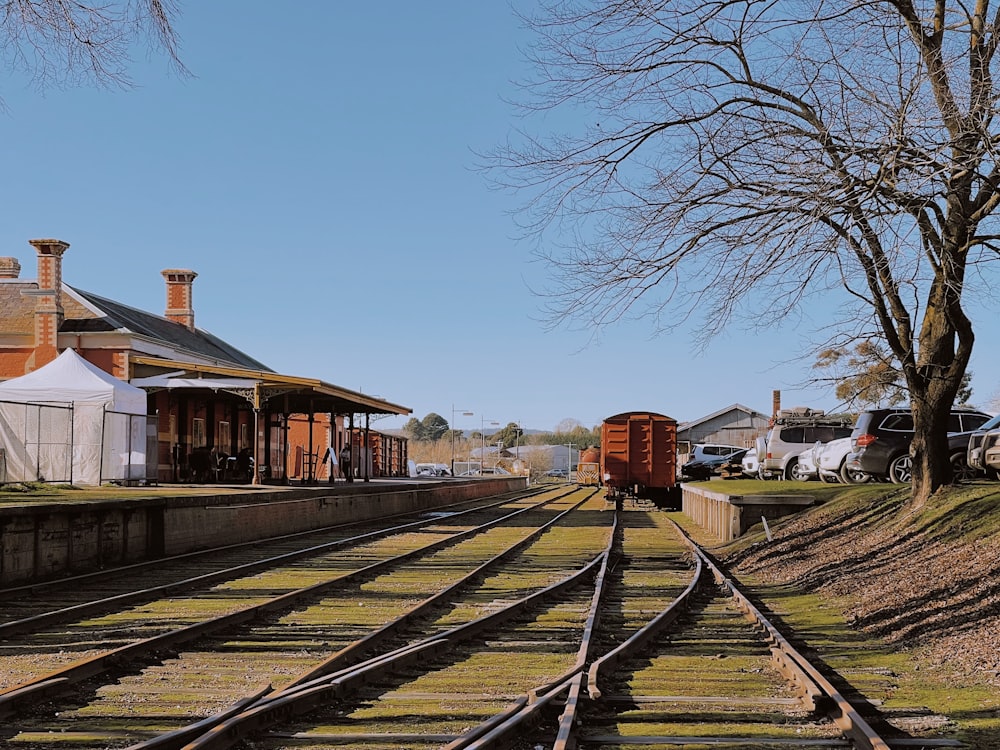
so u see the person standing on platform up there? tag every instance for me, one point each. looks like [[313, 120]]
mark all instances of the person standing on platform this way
[[345, 462]]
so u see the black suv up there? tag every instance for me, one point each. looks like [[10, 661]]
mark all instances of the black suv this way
[[970, 444], [881, 440]]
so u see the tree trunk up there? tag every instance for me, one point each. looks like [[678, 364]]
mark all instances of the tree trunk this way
[[929, 449]]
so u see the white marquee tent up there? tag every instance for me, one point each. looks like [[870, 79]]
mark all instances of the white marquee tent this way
[[70, 421]]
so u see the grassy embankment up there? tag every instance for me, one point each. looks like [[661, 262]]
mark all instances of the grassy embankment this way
[[904, 602]]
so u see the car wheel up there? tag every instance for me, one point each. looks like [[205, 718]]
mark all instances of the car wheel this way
[[901, 469], [992, 473], [794, 471], [853, 476], [960, 469]]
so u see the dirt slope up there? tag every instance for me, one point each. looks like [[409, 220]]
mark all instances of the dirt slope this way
[[927, 580]]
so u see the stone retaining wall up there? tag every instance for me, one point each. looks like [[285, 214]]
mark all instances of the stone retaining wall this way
[[39, 542]]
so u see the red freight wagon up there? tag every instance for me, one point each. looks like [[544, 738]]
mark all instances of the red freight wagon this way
[[639, 457]]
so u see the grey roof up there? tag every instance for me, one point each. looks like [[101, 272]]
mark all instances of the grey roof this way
[[116, 316], [734, 407]]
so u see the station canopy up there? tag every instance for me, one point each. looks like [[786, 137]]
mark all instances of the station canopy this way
[[261, 388]]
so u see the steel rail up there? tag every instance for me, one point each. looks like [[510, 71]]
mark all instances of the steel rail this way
[[809, 681], [393, 627], [496, 730], [54, 682], [341, 660], [847, 718], [159, 562], [644, 635], [33, 623], [274, 709]]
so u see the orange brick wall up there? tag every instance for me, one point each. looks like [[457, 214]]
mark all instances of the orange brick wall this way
[[13, 362], [299, 448]]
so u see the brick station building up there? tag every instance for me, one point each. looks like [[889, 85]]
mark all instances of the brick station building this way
[[209, 398]]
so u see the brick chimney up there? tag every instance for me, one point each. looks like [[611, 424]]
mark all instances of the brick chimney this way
[[48, 299], [9, 268], [775, 403], [179, 306]]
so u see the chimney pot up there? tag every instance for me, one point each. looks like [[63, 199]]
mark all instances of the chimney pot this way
[[48, 302], [9, 268], [180, 308]]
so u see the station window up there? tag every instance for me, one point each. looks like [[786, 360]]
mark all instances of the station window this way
[[198, 433]]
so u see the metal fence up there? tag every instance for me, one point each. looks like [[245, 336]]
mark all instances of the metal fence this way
[[75, 444]]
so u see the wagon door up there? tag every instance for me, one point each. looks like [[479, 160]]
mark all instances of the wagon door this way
[[642, 443], [614, 453], [662, 435], [653, 448]]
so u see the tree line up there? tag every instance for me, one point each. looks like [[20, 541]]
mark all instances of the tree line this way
[[433, 428]]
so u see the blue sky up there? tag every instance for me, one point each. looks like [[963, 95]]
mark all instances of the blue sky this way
[[318, 173]]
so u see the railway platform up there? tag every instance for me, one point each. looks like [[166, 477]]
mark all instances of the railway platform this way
[[76, 532]]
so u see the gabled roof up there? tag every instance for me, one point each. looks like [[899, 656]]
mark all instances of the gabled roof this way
[[109, 316], [184, 353], [719, 413]]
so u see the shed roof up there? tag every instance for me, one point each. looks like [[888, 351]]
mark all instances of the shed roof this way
[[719, 413]]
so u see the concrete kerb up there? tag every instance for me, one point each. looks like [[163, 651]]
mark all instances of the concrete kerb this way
[[729, 516]]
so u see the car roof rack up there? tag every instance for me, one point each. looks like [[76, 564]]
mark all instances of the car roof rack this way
[[805, 415]]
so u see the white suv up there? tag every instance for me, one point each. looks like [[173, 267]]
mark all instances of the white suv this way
[[701, 451], [794, 431]]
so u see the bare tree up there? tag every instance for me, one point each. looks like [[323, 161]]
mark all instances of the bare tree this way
[[740, 158], [67, 43]]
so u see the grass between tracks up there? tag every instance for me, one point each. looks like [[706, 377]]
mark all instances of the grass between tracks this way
[[902, 601]]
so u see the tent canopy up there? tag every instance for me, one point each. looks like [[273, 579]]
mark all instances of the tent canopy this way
[[70, 421], [69, 378]]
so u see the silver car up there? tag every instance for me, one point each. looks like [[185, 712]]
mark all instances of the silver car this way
[[795, 431], [832, 463]]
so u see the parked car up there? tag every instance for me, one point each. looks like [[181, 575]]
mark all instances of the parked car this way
[[832, 463], [486, 471], [982, 449], [433, 470], [557, 473], [709, 465], [795, 431], [705, 451], [749, 463], [807, 466], [881, 440]]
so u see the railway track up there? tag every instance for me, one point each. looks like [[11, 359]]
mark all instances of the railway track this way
[[554, 623], [218, 643]]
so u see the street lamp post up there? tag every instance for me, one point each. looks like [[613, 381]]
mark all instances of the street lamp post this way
[[465, 413], [482, 438], [569, 459]]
